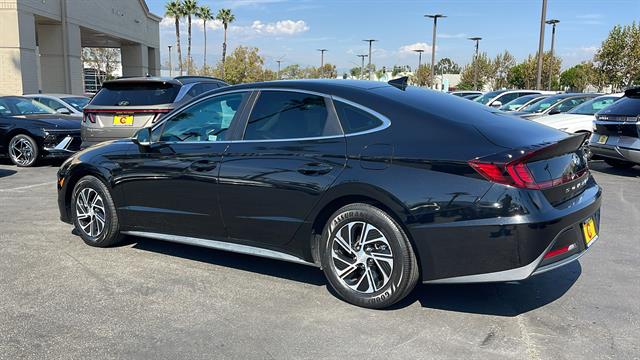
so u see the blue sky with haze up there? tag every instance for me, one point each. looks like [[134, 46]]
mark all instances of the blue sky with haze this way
[[292, 30]]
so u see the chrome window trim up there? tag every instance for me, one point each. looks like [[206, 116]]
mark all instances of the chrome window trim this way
[[386, 123], [223, 245]]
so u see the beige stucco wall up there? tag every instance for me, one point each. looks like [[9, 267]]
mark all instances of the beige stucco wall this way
[[60, 40]]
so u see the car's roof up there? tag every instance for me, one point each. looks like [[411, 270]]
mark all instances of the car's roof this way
[[54, 95], [179, 80], [318, 85], [572, 95]]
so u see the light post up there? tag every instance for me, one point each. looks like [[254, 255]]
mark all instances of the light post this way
[[170, 66], [279, 62], [419, 51], [475, 58], [553, 23], [362, 66], [322, 51], [541, 45], [435, 18], [370, 41]]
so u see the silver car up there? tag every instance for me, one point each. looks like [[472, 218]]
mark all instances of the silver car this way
[[125, 105], [66, 104]]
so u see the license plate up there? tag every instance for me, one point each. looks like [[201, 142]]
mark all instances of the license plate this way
[[589, 231], [603, 139], [123, 120]]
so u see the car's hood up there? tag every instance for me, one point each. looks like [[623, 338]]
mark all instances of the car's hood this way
[[51, 121], [560, 121]]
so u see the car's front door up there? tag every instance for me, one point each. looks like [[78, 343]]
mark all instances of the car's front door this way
[[292, 150], [170, 186]]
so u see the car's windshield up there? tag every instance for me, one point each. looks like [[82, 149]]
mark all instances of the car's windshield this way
[[484, 99], [16, 106], [541, 106], [78, 102], [516, 103], [626, 106], [593, 106]]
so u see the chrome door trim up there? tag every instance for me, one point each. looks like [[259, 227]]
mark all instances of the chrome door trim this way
[[221, 245]]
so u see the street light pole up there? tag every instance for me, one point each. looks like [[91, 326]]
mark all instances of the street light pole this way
[[362, 66], [433, 44], [541, 45], [170, 67], [419, 51], [553, 23], [322, 51], [279, 61], [370, 41], [475, 62]]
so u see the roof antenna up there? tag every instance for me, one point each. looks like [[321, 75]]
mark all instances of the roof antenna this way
[[400, 83]]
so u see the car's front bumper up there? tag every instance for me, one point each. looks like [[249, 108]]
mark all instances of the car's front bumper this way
[[626, 148], [61, 143]]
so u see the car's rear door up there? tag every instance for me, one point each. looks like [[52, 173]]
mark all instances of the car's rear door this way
[[170, 186], [292, 150]]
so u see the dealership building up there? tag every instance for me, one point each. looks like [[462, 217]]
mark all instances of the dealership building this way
[[41, 41]]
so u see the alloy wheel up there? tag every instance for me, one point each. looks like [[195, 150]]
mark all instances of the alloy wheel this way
[[21, 151], [90, 212], [362, 257]]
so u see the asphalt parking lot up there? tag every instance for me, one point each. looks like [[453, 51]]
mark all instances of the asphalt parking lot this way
[[147, 299]]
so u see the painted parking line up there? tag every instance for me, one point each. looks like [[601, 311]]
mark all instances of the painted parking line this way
[[20, 188]]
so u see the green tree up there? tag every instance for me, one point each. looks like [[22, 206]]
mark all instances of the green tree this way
[[242, 66], [422, 76], [577, 78], [227, 17], [355, 72], [328, 71], [205, 14], [485, 73], [447, 66], [501, 65], [618, 58], [103, 60], [292, 71], [189, 8], [516, 76], [175, 10], [523, 75]]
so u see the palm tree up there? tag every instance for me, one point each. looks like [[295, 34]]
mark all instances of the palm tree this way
[[174, 9], [227, 18], [205, 14], [189, 7]]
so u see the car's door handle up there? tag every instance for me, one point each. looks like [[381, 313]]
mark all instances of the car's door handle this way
[[315, 169], [203, 165]]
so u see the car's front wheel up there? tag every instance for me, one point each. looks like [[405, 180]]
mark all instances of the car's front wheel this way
[[23, 150], [94, 213], [620, 164], [367, 257]]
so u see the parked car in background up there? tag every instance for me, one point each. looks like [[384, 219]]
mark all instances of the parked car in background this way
[[521, 102], [125, 105], [555, 104], [579, 119], [472, 96], [359, 178], [30, 131], [616, 136], [62, 103], [500, 97], [465, 93]]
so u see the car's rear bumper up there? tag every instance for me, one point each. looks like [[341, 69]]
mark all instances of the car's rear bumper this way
[[506, 248], [625, 148]]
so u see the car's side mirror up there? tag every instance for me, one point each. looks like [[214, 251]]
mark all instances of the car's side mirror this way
[[554, 111], [496, 104], [143, 137], [63, 111]]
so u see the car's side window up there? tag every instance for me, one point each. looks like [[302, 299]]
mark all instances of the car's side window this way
[[55, 105], [508, 97], [206, 121], [355, 120], [290, 115]]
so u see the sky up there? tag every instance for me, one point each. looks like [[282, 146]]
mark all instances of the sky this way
[[293, 30]]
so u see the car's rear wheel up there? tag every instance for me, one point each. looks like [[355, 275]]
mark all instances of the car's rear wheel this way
[[620, 164], [94, 213], [23, 150], [367, 257]]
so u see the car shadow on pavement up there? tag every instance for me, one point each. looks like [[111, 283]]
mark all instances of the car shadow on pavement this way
[[601, 166], [276, 268], [498, 299], [5, 172]]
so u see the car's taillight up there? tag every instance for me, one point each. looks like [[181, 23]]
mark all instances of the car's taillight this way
[[89, 117]]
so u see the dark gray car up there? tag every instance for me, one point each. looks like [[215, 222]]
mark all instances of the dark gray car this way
[[125, 105]]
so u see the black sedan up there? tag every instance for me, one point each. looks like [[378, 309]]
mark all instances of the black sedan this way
[[30, 131], [379, 185]]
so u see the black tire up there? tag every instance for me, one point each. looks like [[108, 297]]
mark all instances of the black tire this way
[[404, 272], [110, 232], [21, 158], [620, 164]]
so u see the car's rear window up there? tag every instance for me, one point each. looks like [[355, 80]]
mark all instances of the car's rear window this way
[[627, 106], [136, 94]]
